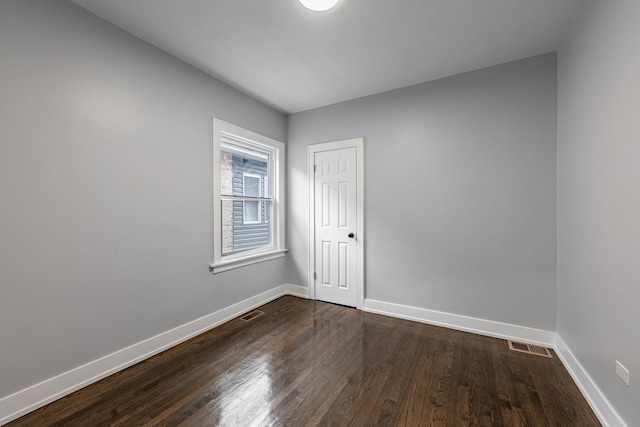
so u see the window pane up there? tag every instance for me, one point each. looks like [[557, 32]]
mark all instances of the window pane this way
[[226, 174], [238, 162], [252, 185], [227, 226], [237, 234], [251, 212]]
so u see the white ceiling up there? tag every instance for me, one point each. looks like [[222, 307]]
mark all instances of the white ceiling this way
[[295, 60]]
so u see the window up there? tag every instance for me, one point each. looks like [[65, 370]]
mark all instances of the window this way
[[248, 190]]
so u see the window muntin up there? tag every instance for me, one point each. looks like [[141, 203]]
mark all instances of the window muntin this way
[[247, 194]]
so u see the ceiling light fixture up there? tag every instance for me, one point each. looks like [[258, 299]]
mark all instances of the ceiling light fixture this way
[[318, 5]]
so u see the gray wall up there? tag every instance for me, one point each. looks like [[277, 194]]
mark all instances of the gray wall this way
[[460, 190], [599, 197], [105, 186]]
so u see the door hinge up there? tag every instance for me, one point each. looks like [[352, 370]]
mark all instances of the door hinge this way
[[315, 168], [315, 276]]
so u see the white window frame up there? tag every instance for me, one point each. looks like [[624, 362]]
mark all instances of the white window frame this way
[[245, 138], [260, 189]]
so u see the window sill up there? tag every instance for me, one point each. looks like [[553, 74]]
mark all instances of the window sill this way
[[248, 260]]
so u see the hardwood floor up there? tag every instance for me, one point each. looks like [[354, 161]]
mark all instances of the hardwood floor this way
[[306, 363]]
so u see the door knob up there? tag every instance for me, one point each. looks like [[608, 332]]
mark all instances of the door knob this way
[[351, 235]]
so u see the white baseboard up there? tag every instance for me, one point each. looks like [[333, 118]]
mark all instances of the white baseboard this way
[[36, 396], [597, 400], [462, 323], [297, 291]]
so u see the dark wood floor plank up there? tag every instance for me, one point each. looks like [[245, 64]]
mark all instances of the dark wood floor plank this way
[[483, 406], [511, 412], [441, 399], [525, 390], [307, 363], [417, 405], [391, 405]]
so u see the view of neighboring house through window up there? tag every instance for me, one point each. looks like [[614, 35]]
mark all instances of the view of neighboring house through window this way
[[246, 196]]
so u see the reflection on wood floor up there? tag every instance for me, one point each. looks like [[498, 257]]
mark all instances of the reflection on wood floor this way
[[306, 363]]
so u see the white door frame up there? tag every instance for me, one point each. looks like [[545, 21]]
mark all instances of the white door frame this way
[[358, 144]]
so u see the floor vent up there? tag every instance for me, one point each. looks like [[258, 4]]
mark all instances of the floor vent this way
[[252, 315], [529, 348]]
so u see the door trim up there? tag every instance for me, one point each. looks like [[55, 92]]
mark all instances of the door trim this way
[[358, 144]]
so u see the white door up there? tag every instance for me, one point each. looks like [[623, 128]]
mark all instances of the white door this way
[[335, 194]]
